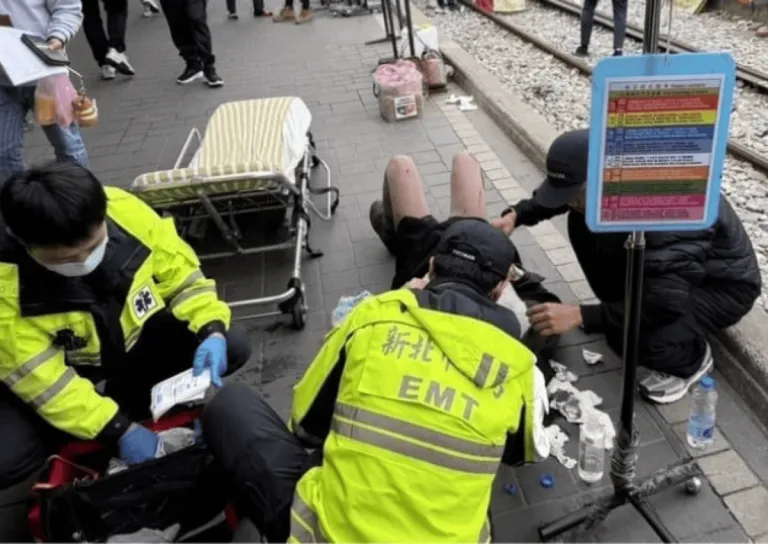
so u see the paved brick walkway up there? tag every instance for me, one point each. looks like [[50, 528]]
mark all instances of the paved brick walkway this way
[[145, 121]]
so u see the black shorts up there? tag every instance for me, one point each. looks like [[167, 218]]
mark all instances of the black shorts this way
[[416, 239]]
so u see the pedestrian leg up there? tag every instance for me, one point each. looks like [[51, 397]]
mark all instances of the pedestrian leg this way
[[117, 17], [619, 26], [181, 34], [67, 142], [93, 26], [232, 8], [262, 459], [13, 112], [467, 191], [197, 16], [587, 20]]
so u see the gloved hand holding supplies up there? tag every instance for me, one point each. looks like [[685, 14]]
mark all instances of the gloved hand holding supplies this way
[[138, 444], [212, 354]]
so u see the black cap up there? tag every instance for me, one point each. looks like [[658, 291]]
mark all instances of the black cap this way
[[478, 241], [567, 161]]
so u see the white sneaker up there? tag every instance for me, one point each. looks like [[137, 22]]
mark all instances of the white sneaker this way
[[147, 13], [107, 72], [119, 61], [662, 388], [150, 7]]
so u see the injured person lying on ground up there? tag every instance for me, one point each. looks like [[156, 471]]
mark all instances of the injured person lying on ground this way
[[97, 289], [695, 283], [413, 401]]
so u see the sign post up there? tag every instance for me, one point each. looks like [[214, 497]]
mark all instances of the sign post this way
[[658, 135]]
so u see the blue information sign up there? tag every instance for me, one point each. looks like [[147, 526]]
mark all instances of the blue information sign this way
[[658, 135]]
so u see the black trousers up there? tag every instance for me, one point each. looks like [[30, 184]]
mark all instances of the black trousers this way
[[619, 22], [258, 6], [165, 348], [188, 23], [262, 459], [93, 26]]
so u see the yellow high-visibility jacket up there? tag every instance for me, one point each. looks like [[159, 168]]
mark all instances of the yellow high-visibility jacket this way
[[413, 406], [48, 323]]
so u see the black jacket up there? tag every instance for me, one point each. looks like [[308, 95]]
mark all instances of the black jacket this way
[[695, 282]]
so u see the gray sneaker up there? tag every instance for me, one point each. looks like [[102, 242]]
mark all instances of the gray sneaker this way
[[665, 389]]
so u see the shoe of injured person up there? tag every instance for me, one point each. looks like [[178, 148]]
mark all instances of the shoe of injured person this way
[[665, 389], [304, 16], [382, 225], [284, 15]]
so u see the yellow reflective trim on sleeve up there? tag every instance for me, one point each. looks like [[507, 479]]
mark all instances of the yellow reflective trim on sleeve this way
[[413, 450], [131, 339], [305, 526], [84, 359], [189, 293], [193, 277], [422, 434], [56, 388], [501, 375], [27, 368]]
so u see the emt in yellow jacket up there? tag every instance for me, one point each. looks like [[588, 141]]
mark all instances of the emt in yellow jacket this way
[[95, 286], [409, 404]]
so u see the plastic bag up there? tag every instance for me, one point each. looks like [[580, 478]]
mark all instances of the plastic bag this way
[[54, 101], [345, 305]]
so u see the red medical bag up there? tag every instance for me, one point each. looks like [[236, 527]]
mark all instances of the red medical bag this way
[[73, 481]]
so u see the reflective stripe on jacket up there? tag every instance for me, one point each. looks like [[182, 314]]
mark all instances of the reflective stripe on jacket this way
[[414, 406], [49, 323]]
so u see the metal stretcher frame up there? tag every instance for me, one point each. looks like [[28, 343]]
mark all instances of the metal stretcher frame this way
[[293, 196]]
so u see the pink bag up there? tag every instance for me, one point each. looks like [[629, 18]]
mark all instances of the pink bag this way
[[54, 98]]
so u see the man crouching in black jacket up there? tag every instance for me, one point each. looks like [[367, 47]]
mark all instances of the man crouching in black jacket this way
[[695, 283]]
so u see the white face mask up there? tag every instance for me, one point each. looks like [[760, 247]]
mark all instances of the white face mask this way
[[74, 270]]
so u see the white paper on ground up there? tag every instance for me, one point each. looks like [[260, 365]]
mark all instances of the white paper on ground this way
[[178, 389], [19, 63], [557, 439], [591, 357]]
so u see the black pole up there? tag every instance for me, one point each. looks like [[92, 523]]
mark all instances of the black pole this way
[[409, 24]]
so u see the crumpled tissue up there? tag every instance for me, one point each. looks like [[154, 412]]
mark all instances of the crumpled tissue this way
[[465, 103], [574, 404]]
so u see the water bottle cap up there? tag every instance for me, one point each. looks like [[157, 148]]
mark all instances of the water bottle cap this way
[[547, 480], [707, 383]]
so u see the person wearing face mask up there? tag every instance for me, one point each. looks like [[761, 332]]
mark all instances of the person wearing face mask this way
[[95, 287], [695, 283]]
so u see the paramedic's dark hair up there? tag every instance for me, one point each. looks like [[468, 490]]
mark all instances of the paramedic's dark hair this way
[[451, 267], [53, 205]]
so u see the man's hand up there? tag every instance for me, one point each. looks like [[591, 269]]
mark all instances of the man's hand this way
[[212, 354], [55, 44], [417, 283], [552, 319], [505, 224]]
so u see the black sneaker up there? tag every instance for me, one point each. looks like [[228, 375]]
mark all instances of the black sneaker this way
[[212, 79], [233, 16], [618, 53], [582, 51], [382, 225], [191, 73]]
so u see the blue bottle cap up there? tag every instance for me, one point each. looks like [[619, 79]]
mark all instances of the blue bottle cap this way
[[547, 480], [707, 383]]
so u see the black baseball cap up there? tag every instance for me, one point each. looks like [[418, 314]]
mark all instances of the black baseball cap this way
[[477, 241], [567, 160]]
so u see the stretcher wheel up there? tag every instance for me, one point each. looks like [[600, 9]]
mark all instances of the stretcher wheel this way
[[299, 313]]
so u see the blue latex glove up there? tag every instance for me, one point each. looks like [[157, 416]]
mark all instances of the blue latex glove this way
[[138, 444], [212, 353]]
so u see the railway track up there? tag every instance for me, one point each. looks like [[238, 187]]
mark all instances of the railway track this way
[[736, 149]]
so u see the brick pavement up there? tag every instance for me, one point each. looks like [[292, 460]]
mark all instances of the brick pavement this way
[[144, 123]]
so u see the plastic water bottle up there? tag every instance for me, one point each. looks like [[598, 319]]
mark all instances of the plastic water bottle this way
[[701, 424], [591, 450]]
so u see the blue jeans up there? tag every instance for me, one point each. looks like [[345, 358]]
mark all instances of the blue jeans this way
[[15, 103]]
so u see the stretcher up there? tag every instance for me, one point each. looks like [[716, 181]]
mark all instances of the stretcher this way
[[256, 157]]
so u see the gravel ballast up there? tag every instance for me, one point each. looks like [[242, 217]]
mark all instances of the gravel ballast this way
[[561, 95]]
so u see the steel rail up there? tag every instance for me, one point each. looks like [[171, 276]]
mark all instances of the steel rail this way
[[736, 149], [751, 76]]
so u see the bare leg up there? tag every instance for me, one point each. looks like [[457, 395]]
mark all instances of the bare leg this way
[[467, 191], [403, 190]]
